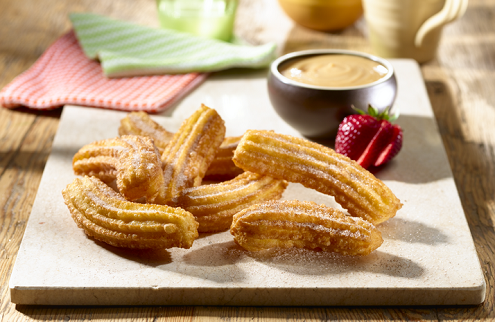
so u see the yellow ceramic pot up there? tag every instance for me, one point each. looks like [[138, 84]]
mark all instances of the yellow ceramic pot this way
[[325, 15]]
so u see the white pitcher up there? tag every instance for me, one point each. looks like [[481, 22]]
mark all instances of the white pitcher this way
[[409, 28]]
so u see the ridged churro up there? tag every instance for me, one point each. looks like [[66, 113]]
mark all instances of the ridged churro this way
[[320, 168], [221, 168], [191, 151], [139, 123], [303, 224], [214, 205], [133, 160], [108, 217]]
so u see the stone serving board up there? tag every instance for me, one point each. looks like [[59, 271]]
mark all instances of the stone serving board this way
[[427, 258]]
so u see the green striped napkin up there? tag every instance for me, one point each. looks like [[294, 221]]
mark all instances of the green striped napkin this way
[[126, 49]]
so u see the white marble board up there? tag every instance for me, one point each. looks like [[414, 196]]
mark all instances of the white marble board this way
[[428, 256]]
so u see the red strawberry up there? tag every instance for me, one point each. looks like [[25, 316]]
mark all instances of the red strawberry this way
[[370, 139]]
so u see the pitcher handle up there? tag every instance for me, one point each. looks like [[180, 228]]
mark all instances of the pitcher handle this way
[[452, 10]]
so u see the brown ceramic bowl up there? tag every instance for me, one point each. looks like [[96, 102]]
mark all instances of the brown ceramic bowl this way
[[317, 111]]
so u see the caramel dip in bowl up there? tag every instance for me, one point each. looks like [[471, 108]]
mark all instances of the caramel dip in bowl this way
[[314, 90]]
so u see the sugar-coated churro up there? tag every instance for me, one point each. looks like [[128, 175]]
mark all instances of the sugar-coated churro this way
[[303, 224], [221, 168], [190, 152], [139, 123], [107, 216], [133, 160], [320, 168], [214, 205]]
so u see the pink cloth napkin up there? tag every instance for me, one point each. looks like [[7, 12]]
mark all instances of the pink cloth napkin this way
[[64, 75]]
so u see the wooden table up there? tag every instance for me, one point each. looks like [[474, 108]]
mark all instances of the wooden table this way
[[460, 83]]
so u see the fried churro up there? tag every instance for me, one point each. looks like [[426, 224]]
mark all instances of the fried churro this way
[[139, 123], [303, 224], [221, 168], [133, 160], [190, 152], [214, 205], [320, 168], [107, 216]]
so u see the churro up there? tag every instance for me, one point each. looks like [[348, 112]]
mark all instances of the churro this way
[[320, 168], [214, 205], [303, 224], [139, 123], [190, 152], [107, 216], [133, 160], [222, 166]]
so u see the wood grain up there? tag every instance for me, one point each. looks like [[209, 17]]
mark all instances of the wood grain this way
[[460, 84]]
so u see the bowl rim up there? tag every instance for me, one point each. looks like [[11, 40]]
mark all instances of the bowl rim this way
[[311, 52]]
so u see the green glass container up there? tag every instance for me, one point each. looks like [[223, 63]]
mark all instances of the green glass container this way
[[205, 18]]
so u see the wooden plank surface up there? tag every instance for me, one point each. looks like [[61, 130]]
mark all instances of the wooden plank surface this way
[[460, 84]]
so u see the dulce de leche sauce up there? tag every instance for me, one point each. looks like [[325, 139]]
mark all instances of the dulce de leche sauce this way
[[333, 70]]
